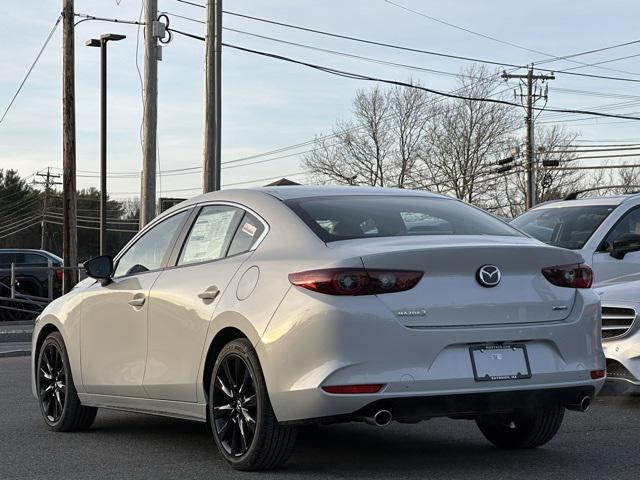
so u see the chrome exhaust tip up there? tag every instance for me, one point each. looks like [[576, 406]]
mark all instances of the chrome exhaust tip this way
[[381, 418], [585, 403], [582, 406]]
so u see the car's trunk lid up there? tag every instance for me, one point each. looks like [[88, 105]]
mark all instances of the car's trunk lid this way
[[450, 294]]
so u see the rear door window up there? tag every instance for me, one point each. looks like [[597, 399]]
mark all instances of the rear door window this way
[[210, 234]]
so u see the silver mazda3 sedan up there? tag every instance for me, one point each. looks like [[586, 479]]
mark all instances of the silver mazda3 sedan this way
[[260, 310]]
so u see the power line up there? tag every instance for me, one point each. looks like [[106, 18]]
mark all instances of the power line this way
[[596, 167], [357, 76], [591, 140], [591, 93], [626, 57], [348, 55], [307, 46], [598, 147], [588, 52], [33, 64], [18, 223], [554, 58], [21, 229], [16, 218], [458, 57], [349, 37], [83, 227], [19, 204]]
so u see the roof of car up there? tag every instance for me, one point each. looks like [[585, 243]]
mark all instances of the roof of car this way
[[581, 202], [303, 191], [31, 250]]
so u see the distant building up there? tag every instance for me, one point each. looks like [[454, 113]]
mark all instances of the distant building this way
[[281, 182]]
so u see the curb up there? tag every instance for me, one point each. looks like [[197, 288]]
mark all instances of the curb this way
[[15, 353]]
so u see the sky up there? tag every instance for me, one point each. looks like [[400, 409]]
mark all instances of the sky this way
[[268, 104]]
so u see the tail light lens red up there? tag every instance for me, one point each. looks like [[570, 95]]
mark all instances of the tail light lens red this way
[[59, 273], [571, 276], [356, 281], [353, 389]]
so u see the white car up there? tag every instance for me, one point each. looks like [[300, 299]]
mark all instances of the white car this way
[[604, 230], [261, 310], [621, 335]]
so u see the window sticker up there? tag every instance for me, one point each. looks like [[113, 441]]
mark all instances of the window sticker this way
[[249, 229]]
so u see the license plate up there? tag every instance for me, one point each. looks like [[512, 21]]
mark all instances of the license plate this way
[[500, 362]]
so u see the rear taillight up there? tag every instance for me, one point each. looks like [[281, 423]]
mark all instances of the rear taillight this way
[[356, 281], [572, 276], [59, 273]]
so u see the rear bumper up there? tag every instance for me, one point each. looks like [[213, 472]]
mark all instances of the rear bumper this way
[[465, 406], [312, 342]]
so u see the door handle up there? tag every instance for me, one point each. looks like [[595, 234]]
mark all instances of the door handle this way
[[137, 301], [210, 293]]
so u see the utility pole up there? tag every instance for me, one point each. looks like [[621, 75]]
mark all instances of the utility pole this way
[[49, 180], [149, 114], [69, 204], [531, 97], [212, 97]]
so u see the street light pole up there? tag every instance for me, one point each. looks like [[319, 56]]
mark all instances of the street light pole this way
[[102, 43]]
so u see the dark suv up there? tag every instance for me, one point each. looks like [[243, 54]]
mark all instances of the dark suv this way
[[34, 283]]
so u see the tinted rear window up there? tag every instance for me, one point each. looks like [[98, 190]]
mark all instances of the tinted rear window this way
[[348, 217]]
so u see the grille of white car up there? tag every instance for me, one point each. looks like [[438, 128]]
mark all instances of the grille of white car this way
[[616, 321]]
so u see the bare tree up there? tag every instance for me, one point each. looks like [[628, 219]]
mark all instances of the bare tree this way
[[466, 136], [380, 146], [626, 179]]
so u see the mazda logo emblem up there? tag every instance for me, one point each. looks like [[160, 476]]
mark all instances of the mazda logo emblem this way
[[488, 276]]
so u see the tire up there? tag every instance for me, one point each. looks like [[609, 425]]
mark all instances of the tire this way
[[57, 396], [244, 426], [520, 430]]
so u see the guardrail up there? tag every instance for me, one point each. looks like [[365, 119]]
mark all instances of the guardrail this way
[[24, 303]]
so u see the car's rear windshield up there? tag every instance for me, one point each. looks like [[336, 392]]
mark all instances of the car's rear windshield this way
[[362, 216], [567, 227]]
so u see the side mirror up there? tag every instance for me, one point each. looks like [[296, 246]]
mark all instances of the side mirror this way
[[100, 268], [625, 243]]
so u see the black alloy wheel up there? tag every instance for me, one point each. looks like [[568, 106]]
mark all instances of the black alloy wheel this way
[[235, 407], [245, 428], [52, 382], [59, 402]]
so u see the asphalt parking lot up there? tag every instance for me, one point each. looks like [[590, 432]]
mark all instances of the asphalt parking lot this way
[[603, 443]]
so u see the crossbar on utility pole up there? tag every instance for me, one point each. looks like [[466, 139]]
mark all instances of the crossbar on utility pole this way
[[531, 165], [149, 115], [212, 97], [69, 202]]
